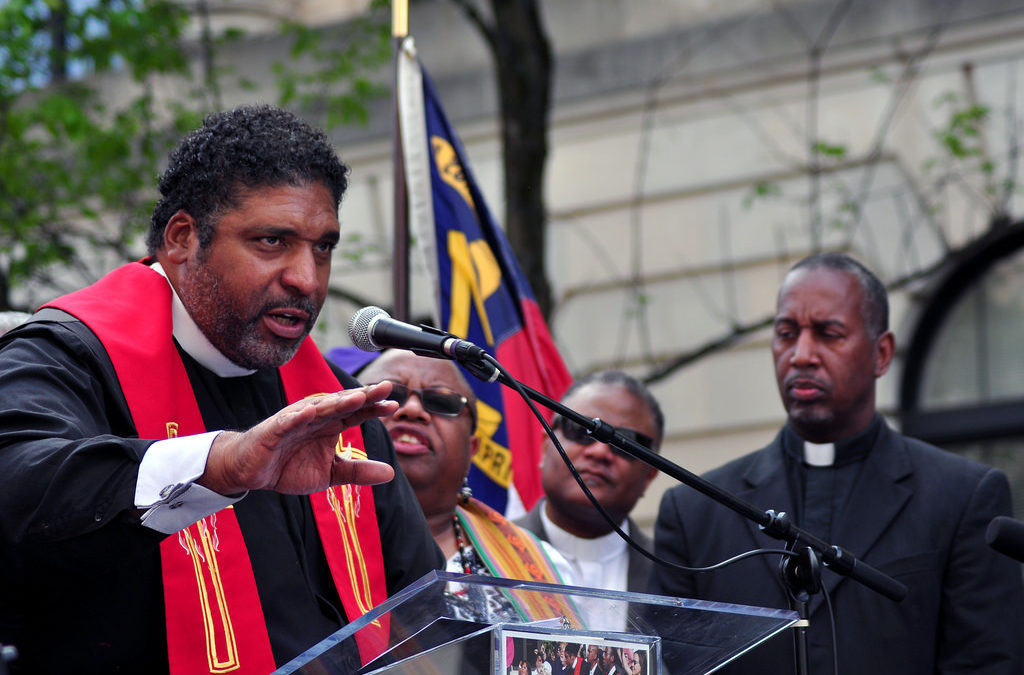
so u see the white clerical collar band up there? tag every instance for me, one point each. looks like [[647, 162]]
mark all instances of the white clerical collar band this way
[[578, 548], [192, 340], [819, 454]]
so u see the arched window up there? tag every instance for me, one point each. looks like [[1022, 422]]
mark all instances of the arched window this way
[[963, 379]]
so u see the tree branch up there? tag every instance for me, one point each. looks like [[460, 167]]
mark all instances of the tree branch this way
[[477, 19]]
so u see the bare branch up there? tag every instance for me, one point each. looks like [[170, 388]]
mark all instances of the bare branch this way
[[709, 347], [726, 340], [477, 18]]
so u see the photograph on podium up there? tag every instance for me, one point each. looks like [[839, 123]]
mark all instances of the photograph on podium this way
[[614, 632], [526, 649]]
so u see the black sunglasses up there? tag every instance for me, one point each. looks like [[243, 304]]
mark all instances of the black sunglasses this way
[[435, 400], [578, 434]]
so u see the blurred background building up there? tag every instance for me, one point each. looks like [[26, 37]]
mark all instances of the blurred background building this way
[[697, 149]]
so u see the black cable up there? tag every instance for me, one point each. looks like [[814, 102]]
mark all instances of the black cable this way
[[832, 625], [514, 384], [597, 505]]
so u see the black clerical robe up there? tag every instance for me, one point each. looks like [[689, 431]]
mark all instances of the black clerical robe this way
[[80, 578], [914, 512]]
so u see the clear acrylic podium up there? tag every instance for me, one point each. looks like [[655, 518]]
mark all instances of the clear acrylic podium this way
[[457, 624]]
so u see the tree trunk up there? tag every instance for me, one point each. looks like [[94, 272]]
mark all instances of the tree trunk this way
[[522, 54], [523, 61], [58, 25]]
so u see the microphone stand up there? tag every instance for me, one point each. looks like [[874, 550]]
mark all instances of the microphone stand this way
[[801, 573]]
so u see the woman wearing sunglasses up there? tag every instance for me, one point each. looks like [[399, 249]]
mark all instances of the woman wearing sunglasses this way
[[433, 433]]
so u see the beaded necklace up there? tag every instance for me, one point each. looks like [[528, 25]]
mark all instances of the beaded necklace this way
[[460, 546], [470, 564]]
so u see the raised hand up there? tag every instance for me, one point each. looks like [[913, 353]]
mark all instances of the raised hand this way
[[293, 451]]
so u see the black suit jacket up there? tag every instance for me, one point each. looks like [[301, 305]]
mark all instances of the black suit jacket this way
[[916, 513], [638, 568]]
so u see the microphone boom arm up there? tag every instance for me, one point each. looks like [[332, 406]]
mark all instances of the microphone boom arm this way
[[776, 525], [371, 329]]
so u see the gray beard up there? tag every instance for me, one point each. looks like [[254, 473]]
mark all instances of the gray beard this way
[[237, 338]]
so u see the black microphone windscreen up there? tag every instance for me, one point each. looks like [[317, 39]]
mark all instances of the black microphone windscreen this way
[[359, 327]]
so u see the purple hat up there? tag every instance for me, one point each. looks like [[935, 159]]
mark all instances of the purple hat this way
[[351, 359]]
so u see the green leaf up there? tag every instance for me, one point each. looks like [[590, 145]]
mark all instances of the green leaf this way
[[878, 76], [761, 190], [829, 150]]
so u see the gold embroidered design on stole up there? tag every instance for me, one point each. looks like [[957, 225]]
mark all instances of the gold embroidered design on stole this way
[[208, 537], [345, 512], [348, 451]]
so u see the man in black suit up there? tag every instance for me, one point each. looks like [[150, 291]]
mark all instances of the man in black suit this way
[[593, 663], [609, 663], [911, 510], [566, 518], [560, 665]]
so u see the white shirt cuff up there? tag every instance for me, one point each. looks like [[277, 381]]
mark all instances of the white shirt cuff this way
[[166, 488]]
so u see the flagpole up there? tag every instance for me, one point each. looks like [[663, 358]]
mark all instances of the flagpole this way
[[400, 253]]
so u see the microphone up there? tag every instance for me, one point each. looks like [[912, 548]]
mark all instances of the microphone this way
[[1006, 535], [372, 329]]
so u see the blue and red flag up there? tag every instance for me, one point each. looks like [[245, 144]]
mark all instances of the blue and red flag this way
[[482, 295]]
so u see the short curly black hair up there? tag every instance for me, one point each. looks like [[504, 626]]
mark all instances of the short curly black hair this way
[[248, 147]]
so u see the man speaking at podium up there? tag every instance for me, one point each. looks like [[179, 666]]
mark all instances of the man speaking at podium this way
[[134, 536], [908, 509]]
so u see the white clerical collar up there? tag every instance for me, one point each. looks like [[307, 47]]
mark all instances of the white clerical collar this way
[[577, 548], [819, 454], [192, 340]]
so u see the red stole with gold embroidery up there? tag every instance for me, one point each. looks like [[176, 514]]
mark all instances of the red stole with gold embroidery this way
[[214, 618]]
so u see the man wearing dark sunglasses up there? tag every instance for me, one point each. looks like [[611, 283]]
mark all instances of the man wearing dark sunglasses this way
[[565, 517]]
